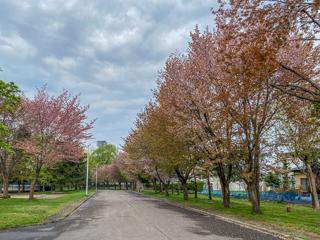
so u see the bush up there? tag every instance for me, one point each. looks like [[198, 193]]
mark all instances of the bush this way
[[177, 186], [292, 190], [191, 186], [147, 184]]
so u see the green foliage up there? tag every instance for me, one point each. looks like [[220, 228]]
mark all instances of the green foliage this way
[[9, 96], [104, 154], [9, 101], [191, 186], [64, 174], [272, 180], [177, 186]]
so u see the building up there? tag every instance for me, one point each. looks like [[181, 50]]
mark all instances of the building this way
[[301, 180], [101, 143]]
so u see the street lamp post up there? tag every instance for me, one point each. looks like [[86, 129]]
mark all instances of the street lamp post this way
[[97, 178], [87, 177], [87, 174]]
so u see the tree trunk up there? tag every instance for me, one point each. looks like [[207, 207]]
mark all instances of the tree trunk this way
[[253, 194], [127, 187], [185, 190], [285, 176], [154, 183], [209, 186], [224, 183], [5, 186], [166, 189], [120, 185], [313, 187], [225, 195], [32, 188], [19, 186], [195, 186], [183, 180], [34, 182]]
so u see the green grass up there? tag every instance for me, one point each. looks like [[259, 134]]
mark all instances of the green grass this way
[[22, 212], [302, 219]]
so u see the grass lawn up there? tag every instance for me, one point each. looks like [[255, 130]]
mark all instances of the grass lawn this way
[[20, 212], [302, 220]]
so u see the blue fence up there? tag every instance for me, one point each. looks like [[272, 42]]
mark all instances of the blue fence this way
[[268, 196]]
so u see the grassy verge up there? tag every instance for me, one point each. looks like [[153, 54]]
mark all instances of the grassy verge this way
[[22, 212], [303, 220]]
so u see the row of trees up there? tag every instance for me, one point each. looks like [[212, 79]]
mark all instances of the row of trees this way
[[38, 133], [242, 97]]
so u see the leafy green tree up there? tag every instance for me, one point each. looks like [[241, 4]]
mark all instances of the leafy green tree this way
[[64, 174], [272, 180], [104, 154], [10, 131]]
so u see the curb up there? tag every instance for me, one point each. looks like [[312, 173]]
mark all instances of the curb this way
[[61, 215], [229, 220]]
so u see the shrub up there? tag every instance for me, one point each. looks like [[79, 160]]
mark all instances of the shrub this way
[[191, 186]]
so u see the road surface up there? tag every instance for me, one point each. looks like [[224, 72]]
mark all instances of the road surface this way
[[120, 215]]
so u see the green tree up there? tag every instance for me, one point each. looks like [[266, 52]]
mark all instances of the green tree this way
[[104, 154], [64, 174], [272, 180], [10, 131]]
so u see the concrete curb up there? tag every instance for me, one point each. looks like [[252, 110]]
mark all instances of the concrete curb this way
[[67, 210], [229, 220]]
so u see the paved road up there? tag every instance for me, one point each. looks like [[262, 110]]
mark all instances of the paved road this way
[[119, 215]]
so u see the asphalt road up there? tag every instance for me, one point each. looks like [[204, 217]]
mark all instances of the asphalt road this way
[[119, 215]]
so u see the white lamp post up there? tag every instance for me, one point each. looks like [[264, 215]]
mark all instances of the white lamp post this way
[[87, 177], [97, 178]]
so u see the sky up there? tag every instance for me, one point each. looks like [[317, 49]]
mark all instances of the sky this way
[[108, 51]]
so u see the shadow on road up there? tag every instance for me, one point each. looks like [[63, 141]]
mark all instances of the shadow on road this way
[[210, 225]]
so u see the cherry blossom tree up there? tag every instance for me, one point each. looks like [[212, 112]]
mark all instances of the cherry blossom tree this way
[[189, 92], [153, 139], [300, 135], [283, 22], [56, 127]]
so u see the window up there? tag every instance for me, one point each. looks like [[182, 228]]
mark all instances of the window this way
[[304, 184]]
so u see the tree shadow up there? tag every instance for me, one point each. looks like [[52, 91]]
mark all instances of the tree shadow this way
[[205, 225]]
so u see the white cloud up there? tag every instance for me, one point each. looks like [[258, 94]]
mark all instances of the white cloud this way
[[109, 51], [107, 72], [66, 63], [12, 44]]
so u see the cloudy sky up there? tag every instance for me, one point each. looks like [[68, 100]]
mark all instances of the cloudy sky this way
[[110, 51]]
